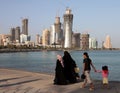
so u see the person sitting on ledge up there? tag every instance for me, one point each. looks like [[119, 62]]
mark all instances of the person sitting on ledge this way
[[59, 72]]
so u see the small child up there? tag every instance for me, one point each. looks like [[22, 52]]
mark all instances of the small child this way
[[105, 73]]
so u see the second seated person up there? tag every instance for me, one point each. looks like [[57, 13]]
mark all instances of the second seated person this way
[[69, 65]]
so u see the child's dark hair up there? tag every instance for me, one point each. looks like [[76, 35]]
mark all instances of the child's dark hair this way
[[105, 68]]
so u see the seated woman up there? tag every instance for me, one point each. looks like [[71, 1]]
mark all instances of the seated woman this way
[[59, 72], [69, 68]]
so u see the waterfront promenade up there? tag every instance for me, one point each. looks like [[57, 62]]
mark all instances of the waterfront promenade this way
[[15, 81]]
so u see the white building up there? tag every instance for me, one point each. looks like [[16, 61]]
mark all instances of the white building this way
[[68, 22], [24, 38], [52, 34], [93, 43]]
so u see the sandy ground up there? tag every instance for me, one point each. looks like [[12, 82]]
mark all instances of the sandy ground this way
[[16, 81]]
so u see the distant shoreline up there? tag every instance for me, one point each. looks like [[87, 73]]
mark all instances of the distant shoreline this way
[[37, 50], [18, 50]]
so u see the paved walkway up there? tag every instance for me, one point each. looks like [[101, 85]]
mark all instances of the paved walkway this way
[[14, 81]]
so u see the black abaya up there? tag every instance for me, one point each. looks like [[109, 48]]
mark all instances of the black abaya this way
[[59, 74]]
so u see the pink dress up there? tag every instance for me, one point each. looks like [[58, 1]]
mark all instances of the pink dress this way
[[105, 74]]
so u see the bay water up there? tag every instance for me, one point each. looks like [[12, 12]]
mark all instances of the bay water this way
[[45, 61]]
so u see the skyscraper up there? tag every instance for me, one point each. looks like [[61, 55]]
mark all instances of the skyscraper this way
[[17, 34], [12, 33], [25, 26], [58, 30], [68, 22], [52, 34], [76, 40], [37, 39], [45, 37], [84, 41], [107, 43], [93, 43]]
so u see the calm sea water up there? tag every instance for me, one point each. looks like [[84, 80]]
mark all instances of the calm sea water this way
[[45, 61]]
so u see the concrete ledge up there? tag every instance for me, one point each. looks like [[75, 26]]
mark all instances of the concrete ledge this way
[[15, 81]]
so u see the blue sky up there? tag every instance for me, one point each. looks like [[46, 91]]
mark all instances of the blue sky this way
[[96, 17]]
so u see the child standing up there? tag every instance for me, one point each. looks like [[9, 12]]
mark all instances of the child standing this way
[[105, 73]]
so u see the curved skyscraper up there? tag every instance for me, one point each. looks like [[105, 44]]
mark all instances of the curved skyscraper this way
[[68, 22]]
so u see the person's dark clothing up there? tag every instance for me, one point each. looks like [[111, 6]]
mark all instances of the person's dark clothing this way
[[59, 74], [69, 65], [87, 62]]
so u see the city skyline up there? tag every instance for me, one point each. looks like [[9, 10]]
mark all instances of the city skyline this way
[[97, 18]]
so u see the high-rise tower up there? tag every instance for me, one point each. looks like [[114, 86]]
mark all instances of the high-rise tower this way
[[57, 25], [107, 43], [45, 37], [76, 40], [93, 43], [68, 22], [52, 34], [17, 34], [12, 33], [25, 26], [37, 39], [84, 41]]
